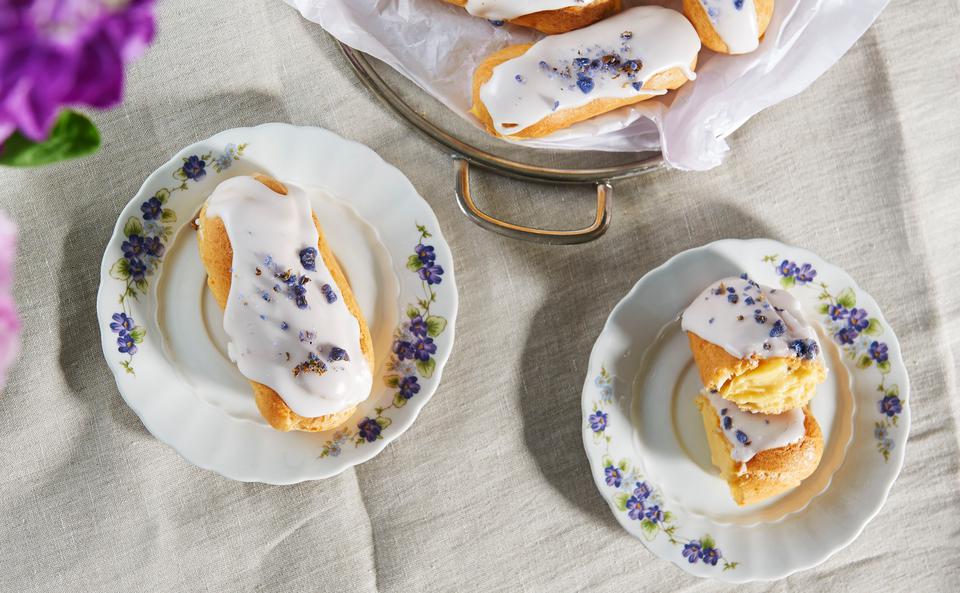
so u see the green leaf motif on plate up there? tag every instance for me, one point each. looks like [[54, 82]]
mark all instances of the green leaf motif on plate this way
[[414, 263], [847, 298], [133, 226], [874, 329], [426, 367], [435, 325]]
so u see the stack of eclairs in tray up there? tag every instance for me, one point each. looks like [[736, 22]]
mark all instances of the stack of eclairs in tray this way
[[760, 363], [597, 57]]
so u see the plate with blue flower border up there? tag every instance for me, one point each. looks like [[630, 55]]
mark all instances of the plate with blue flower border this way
[[645, 440], [162, 333]]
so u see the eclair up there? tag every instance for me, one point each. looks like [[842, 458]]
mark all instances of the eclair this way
[[729, 26], [547, 16], [760, 455], [296, 331], [531, 91], [752, 345]]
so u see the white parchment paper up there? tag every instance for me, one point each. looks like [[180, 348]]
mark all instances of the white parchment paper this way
[[438, 45]]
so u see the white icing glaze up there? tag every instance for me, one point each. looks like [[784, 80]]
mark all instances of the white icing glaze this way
[[611, 59], [750, 433], [747, 319], [510, 9], [270, 332], [736, 26]]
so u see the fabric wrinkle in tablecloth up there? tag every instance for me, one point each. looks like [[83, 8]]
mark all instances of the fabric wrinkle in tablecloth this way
[[490, 489]]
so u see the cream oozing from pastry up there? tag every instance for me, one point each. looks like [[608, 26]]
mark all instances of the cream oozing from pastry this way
[[289, 328], [511, 9], [747, 319], [735, 21], [750, 433], [611, 59]]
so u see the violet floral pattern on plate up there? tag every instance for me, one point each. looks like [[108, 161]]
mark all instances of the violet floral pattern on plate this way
[[858, 335], [145, 242], [637, 498], [412, 351]]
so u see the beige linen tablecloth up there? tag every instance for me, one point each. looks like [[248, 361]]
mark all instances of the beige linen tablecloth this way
[[490, 489]]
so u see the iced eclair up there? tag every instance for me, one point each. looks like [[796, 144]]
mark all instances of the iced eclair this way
[[296, 331], [547, 16], [760, 455], [531, 91], [753, 346], [730, 26]]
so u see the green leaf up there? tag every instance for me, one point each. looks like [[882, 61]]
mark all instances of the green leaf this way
[[120, 269], [864, 361], [621, 500], [874, 329], [141, 285], [847, 298], [72, 136], [162, 195], [884, 366], [392, 381], [707, 542], [649, 529], [412, 311], [399, 401], [606, 461], [137, 333], [667, 517], [133, 226], [414, 263], [624, 464], [168, 215], [823, 308], [788, 281], [383, 421], [893, 390], [435, 325], [426, 368]]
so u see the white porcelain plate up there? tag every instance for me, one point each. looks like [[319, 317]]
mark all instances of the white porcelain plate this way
[[646, 444], [162, 332]]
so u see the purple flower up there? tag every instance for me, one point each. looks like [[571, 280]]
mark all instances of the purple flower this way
[[153, 246], [125, 344], [710, 556], [69, 52], [404, 350], [858, 319], [431, 274], [409, 387], [836, 312], [9, 322], [635, 508], [193, 167], [424, 348], [878, 351], [418, 326], [426, 254], [369, 429], [132, 248], [654, 514], [691, 551], [598, 421], [847, 335], [880, 433], [642, 491], [137, 269], [152, 209], [614, 476], [121, 323], [890, 405], [787, 268], [805, 274]]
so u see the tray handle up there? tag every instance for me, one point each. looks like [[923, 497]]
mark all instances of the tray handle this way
[[599, 226]]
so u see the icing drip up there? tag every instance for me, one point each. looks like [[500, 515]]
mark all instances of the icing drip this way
[[611, 59], [287, 328], [747, 319], [511, 9], [750, 433], [735, 21]]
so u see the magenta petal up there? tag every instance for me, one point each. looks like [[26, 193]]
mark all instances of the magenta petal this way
[[98, 77]]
